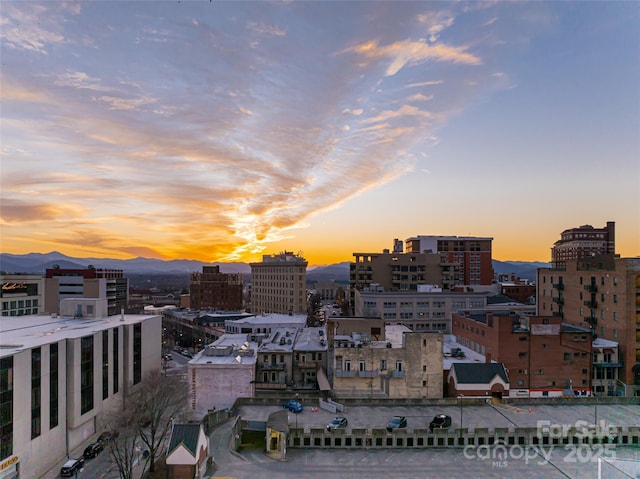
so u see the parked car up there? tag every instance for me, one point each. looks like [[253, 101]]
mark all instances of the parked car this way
[[337, 423], [92, 450], [396, 422], [72, 466], [293, 405], [440, 421], [168, 357]]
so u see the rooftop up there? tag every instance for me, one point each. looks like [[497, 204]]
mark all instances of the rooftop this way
[[229, 349], [18, 333]]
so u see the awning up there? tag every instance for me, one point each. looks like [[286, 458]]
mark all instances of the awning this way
[[608, 350], [323, 382]]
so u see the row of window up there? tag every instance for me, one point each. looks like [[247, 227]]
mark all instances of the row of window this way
[[22, 303], [346, 365]]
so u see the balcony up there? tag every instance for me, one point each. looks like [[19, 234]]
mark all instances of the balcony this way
[[559, 286], [367, 374], [592, 288], [270, 386], [344, 374], [397, 374], [279, 367], [591, 304]]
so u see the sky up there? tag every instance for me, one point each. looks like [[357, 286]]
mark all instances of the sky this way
[[222, 131]]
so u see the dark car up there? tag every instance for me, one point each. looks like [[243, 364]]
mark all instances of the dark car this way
[[92, 450], [441, 421], [337, 423], [396, 422], [71, 467], [293, 406]]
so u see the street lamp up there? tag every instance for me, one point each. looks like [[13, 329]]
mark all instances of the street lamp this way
[[460, 404]]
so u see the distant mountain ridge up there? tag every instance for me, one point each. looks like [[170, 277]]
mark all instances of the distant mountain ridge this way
[[37, 263]]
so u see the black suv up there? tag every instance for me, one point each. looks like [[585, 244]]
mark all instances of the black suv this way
[[71, 467], [93, 450], [441, 421]]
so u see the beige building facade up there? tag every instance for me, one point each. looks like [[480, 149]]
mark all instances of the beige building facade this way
[[279, 284], [402, 365]]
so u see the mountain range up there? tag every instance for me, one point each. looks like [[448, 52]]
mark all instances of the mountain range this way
[[37, 263]]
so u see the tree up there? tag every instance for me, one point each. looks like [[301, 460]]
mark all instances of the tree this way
[[159, 400], [124, 445]]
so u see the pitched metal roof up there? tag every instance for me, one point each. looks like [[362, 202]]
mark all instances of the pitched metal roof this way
[[187, 435], [479, 373]]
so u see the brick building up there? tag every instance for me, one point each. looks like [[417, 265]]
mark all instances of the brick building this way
[[213, 289], [582, 242], [543, 355], [90, 282], [599, 292]]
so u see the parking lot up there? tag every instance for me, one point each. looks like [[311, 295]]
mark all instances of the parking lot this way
[[470, 416]]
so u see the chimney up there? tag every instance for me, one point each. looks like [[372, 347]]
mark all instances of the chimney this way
[[122, 314], [487, 358]]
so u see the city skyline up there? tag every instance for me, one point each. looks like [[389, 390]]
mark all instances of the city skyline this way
[[222, 131]]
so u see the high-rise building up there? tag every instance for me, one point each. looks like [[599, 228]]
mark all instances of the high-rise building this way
[[62, 283], [213, 289], [582, 242], [279, 284], [446, 262], [599, 292]]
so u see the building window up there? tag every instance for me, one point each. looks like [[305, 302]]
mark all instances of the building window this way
[[362, 366], [615, 333], [53, 385], [522, 355], [399, 366], [520, 382], [347, 365], [383, 365], [538, 372], [567, 356], [6, 407], [137, 353], [36, 388], [114, 369], [105, 364], [86, 374], [338, 363], [615, 298]]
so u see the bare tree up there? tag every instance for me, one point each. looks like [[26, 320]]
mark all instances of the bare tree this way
[[159, 400], [124, 444]]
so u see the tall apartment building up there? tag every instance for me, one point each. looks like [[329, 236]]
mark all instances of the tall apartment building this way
[[61, 376], [443, 261], [543, 355], [21, 294], [582, 242], [279, 284], [602, 293], [470, 256], [213, 289], [62, 283]]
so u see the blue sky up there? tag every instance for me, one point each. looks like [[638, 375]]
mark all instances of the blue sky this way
[[224, 130]]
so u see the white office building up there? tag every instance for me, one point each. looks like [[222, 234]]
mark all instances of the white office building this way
[[61, 374]]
